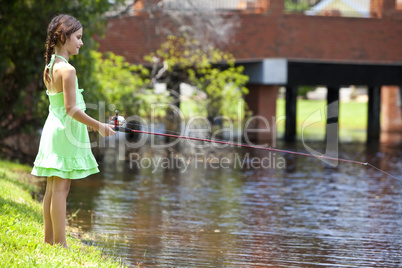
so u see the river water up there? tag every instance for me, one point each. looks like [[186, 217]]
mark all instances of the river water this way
[[286, 211]]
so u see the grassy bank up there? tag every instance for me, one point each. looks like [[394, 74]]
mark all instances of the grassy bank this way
[[21, 228]]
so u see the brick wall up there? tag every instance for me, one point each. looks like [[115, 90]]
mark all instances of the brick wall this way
[[131, 37], [276, 35], [319, 38]]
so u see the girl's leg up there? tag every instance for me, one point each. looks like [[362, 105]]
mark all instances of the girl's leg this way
[[60, 190], [46, 212]]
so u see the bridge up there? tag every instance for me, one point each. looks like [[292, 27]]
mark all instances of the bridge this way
[[324, 44]]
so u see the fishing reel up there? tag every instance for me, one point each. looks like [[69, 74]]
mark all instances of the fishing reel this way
[[118, 122]]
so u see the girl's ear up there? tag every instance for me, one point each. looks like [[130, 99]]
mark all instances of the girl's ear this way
[[63, 39]]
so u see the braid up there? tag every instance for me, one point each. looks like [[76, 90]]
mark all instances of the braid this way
[[50, 44]]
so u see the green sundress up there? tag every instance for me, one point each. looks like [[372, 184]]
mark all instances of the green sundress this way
[[64, 149]]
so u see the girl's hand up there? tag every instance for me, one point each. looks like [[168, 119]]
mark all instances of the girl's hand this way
[[106, 130], [90, 129]]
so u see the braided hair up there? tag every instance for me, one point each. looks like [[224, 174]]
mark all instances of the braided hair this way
[[58, 31]]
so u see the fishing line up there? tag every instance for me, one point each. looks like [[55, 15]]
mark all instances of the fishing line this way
[[383, 171], [118, 127]]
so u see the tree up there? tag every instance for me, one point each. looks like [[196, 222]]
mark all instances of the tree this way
[[126, 86], [212, 71]]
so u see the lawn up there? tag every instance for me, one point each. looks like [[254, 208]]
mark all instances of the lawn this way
[[21, 228], [312, 115]]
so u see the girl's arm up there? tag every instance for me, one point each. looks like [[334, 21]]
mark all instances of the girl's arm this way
[[68, 78]]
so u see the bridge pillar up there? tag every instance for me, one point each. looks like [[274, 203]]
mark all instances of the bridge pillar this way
[[391, 114], [262, 102], [332, 111], [391, 110], [290, 110], [373, 116]]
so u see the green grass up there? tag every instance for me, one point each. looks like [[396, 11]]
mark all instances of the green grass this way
[[21, 228], [352, 119]]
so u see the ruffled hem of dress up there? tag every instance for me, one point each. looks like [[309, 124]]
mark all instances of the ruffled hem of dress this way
[[65, 164], [73, 174]]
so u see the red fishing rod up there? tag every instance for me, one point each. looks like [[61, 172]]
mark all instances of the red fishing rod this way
[[119, 122]]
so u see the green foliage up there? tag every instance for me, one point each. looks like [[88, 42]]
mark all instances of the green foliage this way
[[125, 85], [184, 53], [211, 70], [303, 90], [225, 89], [298, 5]]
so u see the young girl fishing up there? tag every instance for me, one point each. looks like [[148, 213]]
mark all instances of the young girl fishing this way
[[64, 150]]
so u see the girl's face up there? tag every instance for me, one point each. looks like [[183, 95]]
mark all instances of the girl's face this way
[[74, 42]]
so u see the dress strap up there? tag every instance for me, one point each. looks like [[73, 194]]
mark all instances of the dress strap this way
[[61, 58], [51, 63]]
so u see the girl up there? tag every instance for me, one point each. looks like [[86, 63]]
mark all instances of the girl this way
[[64, 150]]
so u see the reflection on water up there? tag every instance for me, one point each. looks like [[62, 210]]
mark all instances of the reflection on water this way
[[306, 215]]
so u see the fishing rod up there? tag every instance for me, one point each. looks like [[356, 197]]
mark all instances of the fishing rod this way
[[119, 123]]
